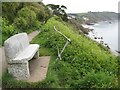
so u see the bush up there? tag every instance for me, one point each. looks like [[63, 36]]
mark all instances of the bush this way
[[28, 14], [7, 30], [9, 10], [25, 19], [42, 12], [21, 23], [37, 24]]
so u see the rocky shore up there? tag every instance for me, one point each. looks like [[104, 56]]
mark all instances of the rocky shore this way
[[92, 34]]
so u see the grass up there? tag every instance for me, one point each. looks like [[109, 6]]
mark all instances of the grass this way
[[81, 59], [84, 64], [45, 51]]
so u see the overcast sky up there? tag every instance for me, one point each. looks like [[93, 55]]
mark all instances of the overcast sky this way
[[78, 6]]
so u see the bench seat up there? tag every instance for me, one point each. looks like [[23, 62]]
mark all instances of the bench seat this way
[[27, 54]]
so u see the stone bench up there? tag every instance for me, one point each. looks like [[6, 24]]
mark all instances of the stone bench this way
[[18, 52]]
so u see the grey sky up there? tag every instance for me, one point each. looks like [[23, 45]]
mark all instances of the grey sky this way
[[77, 6]]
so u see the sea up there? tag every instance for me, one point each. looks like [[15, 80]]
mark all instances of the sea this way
[[105, 31]]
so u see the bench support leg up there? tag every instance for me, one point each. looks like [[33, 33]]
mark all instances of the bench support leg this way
[[19, 70], [36, 55]]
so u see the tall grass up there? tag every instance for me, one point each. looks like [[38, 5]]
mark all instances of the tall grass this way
[[81, 58]]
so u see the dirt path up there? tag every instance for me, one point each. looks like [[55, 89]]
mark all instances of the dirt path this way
[[3, 64], [38, 69], [33, 34]]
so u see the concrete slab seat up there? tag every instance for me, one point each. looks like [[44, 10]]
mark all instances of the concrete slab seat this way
[[18, 52]]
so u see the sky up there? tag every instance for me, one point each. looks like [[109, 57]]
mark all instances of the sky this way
[[79, 6]]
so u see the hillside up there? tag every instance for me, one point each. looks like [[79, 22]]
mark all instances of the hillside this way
[[84, 63], [93, 17]]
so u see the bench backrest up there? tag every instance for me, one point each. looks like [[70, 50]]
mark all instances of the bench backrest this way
[[15, 44]]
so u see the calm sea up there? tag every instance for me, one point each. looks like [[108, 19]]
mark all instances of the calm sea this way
[[107, 30]]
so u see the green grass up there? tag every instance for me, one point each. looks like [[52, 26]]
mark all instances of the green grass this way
[[84, 64], [81, 59], [45, 52]]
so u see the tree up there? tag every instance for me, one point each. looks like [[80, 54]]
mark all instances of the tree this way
[[9, 10], [58, 10], [25, 19]]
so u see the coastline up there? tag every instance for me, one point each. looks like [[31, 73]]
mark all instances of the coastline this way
[[93, 36]]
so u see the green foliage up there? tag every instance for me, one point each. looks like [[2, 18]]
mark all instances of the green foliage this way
[[28, 14], [42, 12], [97, 16], [59, 11], [21, 26], [80, 59], [25, 19], [37, 25], [44, 52], [22, 17], [95, 80], [35, 9], [21, 23], [7, 80], [9, 10], [84, 63], [7, 30]]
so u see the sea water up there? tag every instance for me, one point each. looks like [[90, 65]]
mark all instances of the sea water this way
[[108, 30]]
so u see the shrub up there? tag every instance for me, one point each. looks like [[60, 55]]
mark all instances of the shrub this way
[[36, 10], [37, 24], [27, 14], [21, 23], [6, 28], [42, 12], [9, 10], [26, 18]]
